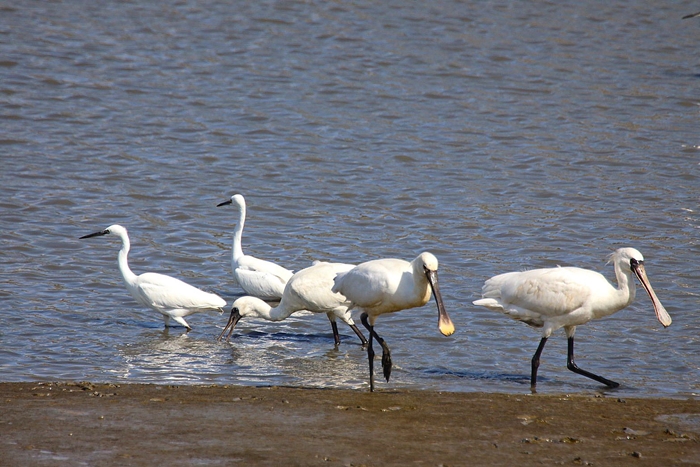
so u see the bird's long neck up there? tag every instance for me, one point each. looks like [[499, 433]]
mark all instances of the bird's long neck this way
[[238, 233], [626, 287], [265, 311], [128, 276], [421, 287]]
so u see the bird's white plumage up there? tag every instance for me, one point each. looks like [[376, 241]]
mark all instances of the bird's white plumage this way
[[167, 295], [259, 278], [307, 290], [552, 298], [389, 285]]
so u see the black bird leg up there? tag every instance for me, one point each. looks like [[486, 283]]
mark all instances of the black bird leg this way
[[386, 353], [359, 334], [572, 366], [536, 364], [336, 335]]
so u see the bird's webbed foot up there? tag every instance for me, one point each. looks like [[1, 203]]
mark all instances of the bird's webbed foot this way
[[386, 361]]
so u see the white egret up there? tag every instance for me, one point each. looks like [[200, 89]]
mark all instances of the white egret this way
[[567, 297], [389, 285], [308, 289], [169, 296], [259, 278]]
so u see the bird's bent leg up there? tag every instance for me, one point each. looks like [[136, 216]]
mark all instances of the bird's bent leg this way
[[181, 320], [370, 351], [536, 364], [386, 353], [359, 334], [571, 365]]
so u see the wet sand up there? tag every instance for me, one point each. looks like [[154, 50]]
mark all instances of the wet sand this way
[[136, 424]]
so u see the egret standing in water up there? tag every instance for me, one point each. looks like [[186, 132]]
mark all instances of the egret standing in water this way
[[259, 278], [568, 297], [168, 296], [308, 289], [389, 285]]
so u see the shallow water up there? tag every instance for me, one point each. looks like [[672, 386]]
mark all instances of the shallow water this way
[[499, 137]]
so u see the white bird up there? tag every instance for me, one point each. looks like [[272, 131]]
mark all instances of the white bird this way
[[260, 278], [567, 297], [169, 296], [308, 289], [389, 285]]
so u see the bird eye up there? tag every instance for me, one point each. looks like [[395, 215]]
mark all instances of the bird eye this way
[[633, 263]]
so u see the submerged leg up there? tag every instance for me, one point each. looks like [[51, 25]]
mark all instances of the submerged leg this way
[[336, 335], [572, 366], [536, 364], [182, 321]]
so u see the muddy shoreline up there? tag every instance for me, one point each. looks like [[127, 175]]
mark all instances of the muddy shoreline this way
[[144, 424]]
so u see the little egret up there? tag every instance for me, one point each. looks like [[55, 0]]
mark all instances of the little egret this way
[[567, 297], [169, 296], [259, 278], [308, 289], [389, 285]]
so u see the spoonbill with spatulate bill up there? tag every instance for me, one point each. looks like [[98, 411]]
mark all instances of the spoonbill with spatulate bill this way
[[567, 297]]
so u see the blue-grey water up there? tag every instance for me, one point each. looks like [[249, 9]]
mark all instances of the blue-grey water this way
[[500, 136]]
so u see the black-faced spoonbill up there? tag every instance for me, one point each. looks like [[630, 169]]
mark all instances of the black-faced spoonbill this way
[[568, 297], [259, 278], [169, 296], [389, 285], [308, 289]]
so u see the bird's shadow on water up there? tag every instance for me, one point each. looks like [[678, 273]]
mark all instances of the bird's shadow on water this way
[[481, 375], [286, 337], [524, 380]]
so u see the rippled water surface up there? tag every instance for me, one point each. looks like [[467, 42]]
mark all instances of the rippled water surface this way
[[498, 136]]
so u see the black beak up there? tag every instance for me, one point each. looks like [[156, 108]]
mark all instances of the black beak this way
[[224, 203], [95, 234], [233, 319]]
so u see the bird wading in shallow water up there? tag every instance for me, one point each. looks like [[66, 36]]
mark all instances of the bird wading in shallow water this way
[[168, 296], [308, 289], [567, 297], [390, 285], [259, 278]]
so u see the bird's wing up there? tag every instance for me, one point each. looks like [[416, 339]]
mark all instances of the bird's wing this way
[[261, 284], [545, 292], [251, 263], [165, 292], [367, 285], [312, 287]]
